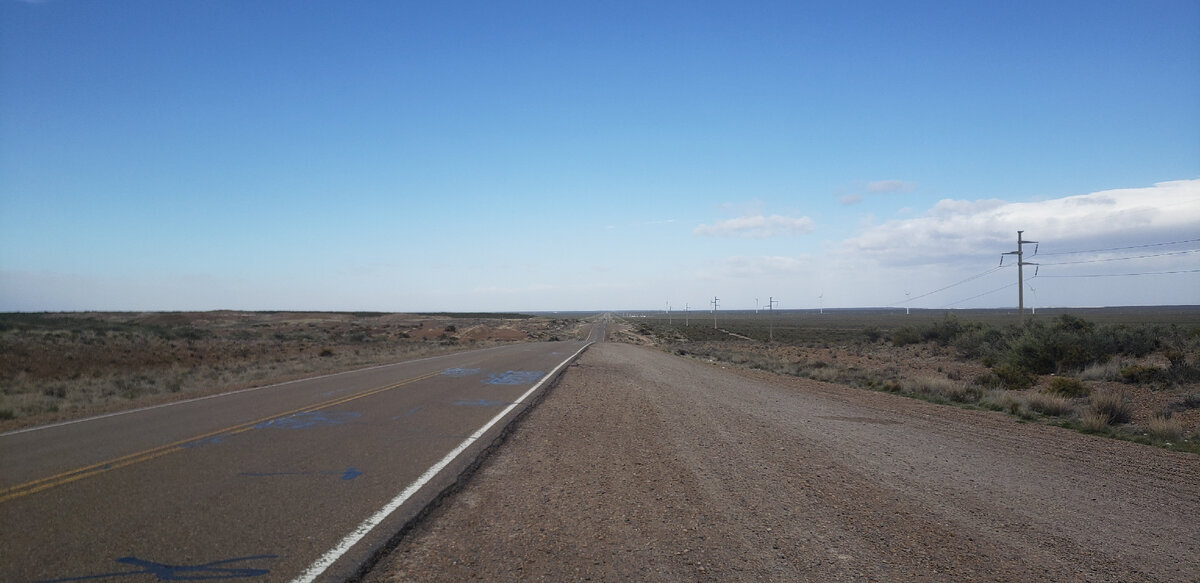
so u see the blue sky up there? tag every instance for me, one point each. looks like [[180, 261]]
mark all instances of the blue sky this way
[[407, 156]]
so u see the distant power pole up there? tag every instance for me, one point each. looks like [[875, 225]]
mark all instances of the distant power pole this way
[[685, 315], [1021, 275], [771, 317], [716, 302]]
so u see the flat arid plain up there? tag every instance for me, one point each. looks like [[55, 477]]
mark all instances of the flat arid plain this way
[[849, 445]]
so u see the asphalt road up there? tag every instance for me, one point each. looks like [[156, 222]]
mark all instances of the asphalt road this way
[[301, 481]]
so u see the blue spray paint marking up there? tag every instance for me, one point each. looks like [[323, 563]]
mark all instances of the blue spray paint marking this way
[[514, 377], [349, 474], [309, 419], [164, 572], [206, 441], [482, 403], [460, 372]]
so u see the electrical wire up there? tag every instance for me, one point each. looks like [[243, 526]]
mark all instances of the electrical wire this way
[[1125, 258], [942, 289], [1036, 275], [1126, 274], [1121, 248], [981, 295]]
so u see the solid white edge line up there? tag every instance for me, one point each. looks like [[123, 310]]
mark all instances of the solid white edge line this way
[[328, 559], [239, 391]]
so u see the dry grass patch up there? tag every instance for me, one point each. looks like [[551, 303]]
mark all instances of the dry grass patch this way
[[1114, 405], [1103, 371], [941, 388], [1000, 400], [1092, 420], [1165, 427], [1052, 405], [1068, 387]]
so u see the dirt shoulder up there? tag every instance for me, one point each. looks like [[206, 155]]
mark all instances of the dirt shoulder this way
[[644, 466]]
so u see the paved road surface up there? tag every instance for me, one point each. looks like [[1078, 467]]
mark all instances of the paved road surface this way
[[642, 466], [266, 483]]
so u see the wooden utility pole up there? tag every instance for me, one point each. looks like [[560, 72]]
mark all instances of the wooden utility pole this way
[[1021, 275], [771, 317]]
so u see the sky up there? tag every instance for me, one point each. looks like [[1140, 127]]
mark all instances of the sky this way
[[520, 156]]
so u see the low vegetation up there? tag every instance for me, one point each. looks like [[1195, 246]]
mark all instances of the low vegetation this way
[[1127, 373], [58, 366], [1113, 405], [1068, 387]]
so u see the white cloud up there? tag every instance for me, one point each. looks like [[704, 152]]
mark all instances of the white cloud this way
[[850, 199], [980, 229], [756, 227]]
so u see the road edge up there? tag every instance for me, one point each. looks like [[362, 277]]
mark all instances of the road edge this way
[[522, 407]]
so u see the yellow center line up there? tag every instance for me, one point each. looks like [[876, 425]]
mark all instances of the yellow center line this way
[[77, 474]]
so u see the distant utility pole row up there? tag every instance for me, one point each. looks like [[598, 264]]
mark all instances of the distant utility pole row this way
[[772, 302]]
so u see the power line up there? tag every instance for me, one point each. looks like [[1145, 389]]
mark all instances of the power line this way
[[1123, 248], [1126, 274], [1125, 258], [1002, 266], [942, 289], [980, 295]]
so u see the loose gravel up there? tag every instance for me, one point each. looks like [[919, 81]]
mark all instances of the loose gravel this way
[[644, 466]]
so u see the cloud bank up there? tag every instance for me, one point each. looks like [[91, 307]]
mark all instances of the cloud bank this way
[[955, 230]]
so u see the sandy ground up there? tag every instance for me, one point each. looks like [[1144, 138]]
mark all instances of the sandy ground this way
[[644, 466]]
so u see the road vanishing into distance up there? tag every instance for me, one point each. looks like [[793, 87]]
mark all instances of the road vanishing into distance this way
[[300, 481]]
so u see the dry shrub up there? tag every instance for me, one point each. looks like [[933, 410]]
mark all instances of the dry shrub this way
[[1000, 400], [1067, 387], [1189, 401], [1092, 420], [943, 388], [1113, 405], [1165, 427], [1102, 371], [1049, 404], [829, 374]]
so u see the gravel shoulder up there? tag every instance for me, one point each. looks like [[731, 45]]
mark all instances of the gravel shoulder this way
[[640, 465]]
